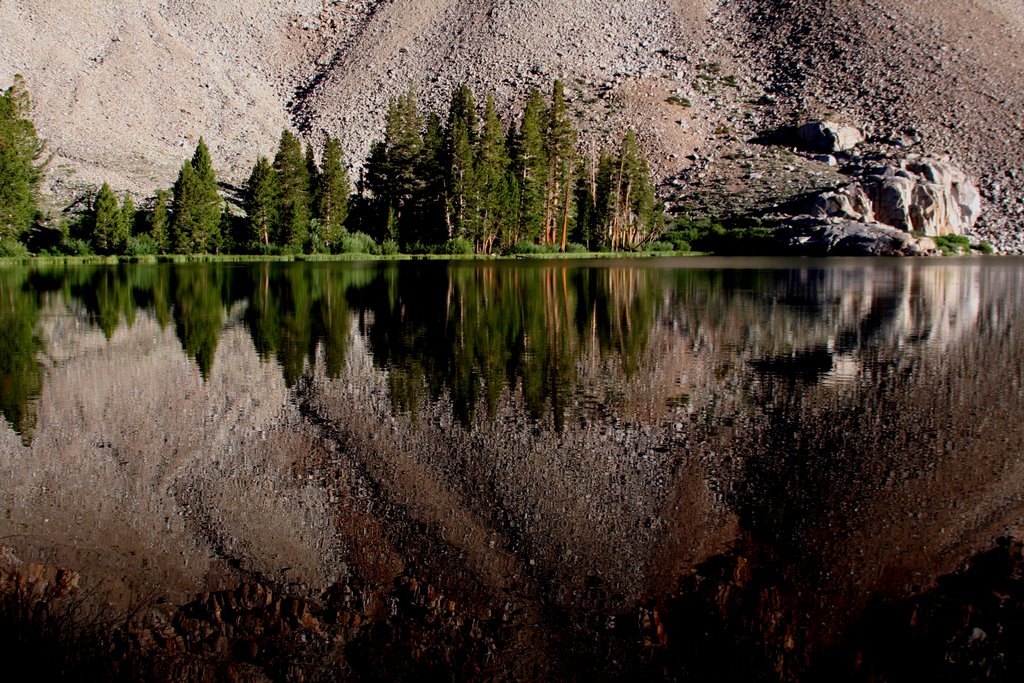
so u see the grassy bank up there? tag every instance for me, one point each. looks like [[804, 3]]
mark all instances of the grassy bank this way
[[244, 258]]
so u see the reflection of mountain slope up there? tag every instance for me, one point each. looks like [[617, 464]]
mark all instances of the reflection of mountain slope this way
[[138, 470], [673, 454]]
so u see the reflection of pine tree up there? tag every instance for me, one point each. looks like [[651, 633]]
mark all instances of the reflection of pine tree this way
[[21, 373], [332, 320], [296, 322], [199, 312]]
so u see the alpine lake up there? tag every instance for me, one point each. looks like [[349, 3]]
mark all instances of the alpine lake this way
[[657, 469]]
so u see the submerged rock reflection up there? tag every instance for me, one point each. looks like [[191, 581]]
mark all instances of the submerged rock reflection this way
[[526, 470]]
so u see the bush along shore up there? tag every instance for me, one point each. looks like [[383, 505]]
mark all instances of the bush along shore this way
[[462, 184]]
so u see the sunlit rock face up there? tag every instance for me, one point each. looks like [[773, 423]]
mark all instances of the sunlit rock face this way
[[918, 194], [564, 445]]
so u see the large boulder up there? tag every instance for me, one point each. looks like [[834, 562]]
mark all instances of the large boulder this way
[[828, 137], [920, 194], [815, 236]]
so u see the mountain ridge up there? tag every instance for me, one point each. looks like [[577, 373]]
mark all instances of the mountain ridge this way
[[122, 94]]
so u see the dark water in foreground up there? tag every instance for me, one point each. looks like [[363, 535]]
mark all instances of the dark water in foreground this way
[[655, 470]]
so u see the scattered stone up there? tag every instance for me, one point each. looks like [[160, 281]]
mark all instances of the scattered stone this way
[[828, 137]]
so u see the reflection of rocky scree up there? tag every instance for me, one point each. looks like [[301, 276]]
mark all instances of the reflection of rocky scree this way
[[968, 627], [893, 207], [732, 619], [254, 632]]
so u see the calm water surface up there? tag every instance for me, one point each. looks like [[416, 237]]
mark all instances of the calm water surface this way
[[663, 469]]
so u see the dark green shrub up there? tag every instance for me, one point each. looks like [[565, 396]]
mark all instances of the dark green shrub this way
[[12, 248], [951, 245], [357, 243], [141, 245], [459, 246], [529, 248]]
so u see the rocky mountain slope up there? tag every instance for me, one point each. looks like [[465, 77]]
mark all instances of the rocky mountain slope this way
[[123, 93]]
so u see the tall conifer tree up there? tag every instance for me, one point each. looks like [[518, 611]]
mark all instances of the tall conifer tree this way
[[460, 143], [20, 162], [105, 221], [432, 224], [128, 216], [496, 195], [333, 194], [393, 170], [261, 198], [197, 205], [561, 152], [529, 162], [159, 223], [294, 204]]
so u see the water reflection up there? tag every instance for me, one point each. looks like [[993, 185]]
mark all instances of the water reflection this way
[[606, 471], [21, 374]]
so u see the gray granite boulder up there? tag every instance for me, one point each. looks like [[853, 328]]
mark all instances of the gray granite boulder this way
[[828, 137], [815, 236], [920, 194]]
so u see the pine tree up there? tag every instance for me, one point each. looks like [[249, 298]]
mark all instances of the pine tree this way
[[333, 193], [313, 172], [432, 209], [586, 201], [21, 167], [128, 215], [197, 205], [560, 144], [185, 218], [393, 170], [632, 215], [460, 143], [159, 223], [495, 185], [294, 202], [105, 221], [209, 204], [529, 162], [261, 198]]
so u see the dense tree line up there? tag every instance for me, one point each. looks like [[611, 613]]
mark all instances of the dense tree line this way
[[463, 182], [479, 184]]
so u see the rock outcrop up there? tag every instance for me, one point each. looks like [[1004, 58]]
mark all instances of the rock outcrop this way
[[811, 236], [919, 194], [828, 137]]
